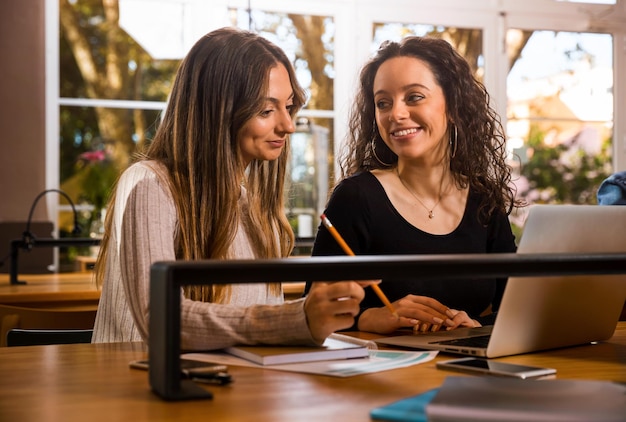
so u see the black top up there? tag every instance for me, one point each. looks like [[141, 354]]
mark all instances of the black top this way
[[364, 216]]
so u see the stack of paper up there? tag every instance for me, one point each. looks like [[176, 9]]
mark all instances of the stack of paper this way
[[373, 361]]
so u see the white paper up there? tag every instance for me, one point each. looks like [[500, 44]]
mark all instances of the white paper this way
[[378, 360]]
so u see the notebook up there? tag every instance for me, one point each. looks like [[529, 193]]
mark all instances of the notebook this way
[[508, 399], [336, 346], [539, 313]]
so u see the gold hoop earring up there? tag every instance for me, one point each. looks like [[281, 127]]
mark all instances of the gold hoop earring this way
[[373, 146], [453, 142]]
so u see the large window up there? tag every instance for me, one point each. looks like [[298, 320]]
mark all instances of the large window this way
[[115, 76], [549, 66]]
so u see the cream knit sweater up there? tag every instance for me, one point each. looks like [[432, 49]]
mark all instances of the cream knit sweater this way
[[143, 232]]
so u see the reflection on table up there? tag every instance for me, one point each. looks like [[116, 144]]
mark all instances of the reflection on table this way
[[51, 290]]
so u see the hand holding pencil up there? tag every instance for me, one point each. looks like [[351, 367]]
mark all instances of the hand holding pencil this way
[[342, 243]]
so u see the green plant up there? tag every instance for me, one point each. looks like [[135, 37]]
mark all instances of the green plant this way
[[564, 173], [97, 176]]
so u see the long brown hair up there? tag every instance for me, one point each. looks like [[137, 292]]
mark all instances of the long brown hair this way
[[220, 85], [479, 157]]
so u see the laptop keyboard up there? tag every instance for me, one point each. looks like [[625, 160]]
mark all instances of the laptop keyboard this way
[[478, 341]]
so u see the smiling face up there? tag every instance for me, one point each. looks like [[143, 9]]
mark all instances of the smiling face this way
[[410, 110], [263, 137]]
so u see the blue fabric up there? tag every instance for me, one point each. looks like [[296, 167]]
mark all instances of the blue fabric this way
[[612, 191], [412, 409]]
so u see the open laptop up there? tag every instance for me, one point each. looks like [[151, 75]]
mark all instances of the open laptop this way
[[539, 313]]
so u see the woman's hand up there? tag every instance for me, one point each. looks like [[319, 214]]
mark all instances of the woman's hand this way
[[419, 312], [330, 307], [422, 313], [460, 319]]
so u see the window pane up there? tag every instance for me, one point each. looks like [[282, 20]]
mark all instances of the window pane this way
[[560, 114], [308, 41], [308, 182], [87, 152], [111, 64], [120, 62], [467, 41]]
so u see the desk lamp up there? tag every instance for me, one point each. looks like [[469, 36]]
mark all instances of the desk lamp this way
[[29, 241]]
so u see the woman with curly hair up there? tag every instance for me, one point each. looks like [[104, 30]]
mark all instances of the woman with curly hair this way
[[423, 172], [210, 186]]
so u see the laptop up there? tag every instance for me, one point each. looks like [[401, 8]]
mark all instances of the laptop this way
[[540, 313]]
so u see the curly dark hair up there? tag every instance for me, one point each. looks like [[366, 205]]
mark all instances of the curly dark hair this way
[[479, 157]]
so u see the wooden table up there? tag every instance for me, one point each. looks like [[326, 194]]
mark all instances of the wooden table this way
[[73, 289], [51, 290], [93, 382], [293, 291]]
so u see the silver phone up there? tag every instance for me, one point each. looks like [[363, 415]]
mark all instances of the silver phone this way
[[490, 367]]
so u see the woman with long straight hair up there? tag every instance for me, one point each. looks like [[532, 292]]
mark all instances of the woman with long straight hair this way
[[210, 186]]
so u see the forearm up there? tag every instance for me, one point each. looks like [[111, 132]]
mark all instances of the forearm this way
[[206, 326]]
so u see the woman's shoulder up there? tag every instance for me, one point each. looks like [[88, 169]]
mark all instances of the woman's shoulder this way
[[357, 193], [144, 169], [143, 178], [363, 185], [477, 204], [144, 172], [359, 186], [363, 179]]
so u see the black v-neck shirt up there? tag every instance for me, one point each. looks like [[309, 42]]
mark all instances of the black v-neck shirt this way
[[362, 213]]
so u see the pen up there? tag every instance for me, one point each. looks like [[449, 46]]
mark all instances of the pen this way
[[333, 231]]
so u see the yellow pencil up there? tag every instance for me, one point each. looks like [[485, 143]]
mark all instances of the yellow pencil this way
[[333, 231]]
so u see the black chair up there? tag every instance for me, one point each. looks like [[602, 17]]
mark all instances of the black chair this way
[[43, 319], [32, 337]]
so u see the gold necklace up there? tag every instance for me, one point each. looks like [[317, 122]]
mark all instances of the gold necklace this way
[[431, 215]]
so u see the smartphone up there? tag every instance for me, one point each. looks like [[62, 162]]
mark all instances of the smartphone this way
[[196, 370], [490, 367]]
